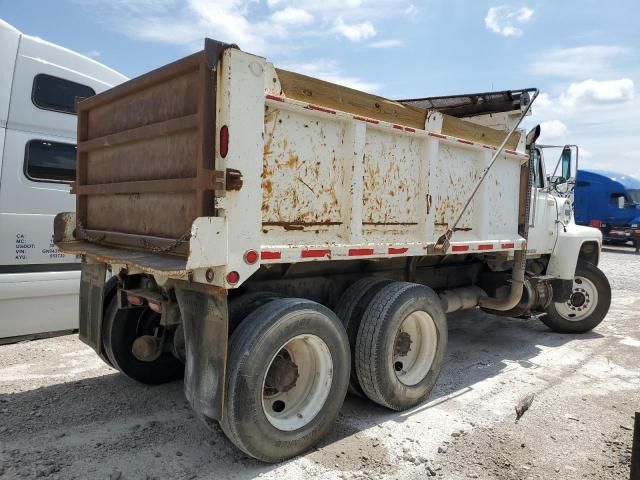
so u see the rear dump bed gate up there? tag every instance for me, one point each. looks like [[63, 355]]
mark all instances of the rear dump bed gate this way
[[156, 132]]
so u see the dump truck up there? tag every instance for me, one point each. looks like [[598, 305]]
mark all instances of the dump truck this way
[[279, 240]]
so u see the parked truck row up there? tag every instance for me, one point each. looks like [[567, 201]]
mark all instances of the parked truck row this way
[[609, 201], [280, 240]]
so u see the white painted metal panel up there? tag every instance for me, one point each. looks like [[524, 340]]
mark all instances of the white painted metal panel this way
[[27, 208], [409, 188], [9, 38], [37, 56], [38, 302]]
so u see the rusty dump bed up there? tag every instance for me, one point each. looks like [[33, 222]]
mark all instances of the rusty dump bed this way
[[145, 167], [219, 163]]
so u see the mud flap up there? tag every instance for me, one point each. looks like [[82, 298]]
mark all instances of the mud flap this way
[[205, 323], [92, 284], [562, 289]]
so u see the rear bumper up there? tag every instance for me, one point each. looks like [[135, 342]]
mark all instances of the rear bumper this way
[[621, 233], [147, 262]]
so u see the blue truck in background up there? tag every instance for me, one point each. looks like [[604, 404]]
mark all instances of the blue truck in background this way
[[609, 201]]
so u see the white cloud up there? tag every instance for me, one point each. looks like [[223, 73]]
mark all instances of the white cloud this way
[[265, 27], [584, 153], [552, 131], [355, 32], [411, 10], [386, 43], [585, 61], [506, 21], [292, 16], [599, 116], [329, 71], [585, 98], [592, 92]]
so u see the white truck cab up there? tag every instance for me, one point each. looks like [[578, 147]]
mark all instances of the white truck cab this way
[[39, 83]]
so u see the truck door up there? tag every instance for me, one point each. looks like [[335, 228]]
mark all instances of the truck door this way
[[38, 283], [542, 222], [38, 161]]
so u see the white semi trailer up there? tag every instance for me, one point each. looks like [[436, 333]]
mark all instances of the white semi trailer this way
[[39, 82], [278, 240]]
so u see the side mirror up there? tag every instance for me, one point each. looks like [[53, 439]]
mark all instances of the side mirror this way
[[620, 201], [567, 158]]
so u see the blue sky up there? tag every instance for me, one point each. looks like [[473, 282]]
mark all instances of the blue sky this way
[[583, 55]]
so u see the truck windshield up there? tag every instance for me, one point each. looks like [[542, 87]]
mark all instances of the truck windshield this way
[[635, 195]]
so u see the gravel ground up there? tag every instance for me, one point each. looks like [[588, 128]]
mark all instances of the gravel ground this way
[[64, 414]]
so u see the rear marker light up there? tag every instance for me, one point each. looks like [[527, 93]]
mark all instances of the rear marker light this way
[[233, 277], [251, 257], [209, 274], [596, 223], [224, 141], [356, 252], [315, 253], [134, 300]]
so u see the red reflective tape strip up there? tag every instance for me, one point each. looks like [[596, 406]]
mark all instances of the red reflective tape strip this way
[[465, 141], [273, 97], [508, 245], [512, 152], [459, 248], [409, 129], [320, 109], [399, 127], [437, 135], [397, 251], [270, 255], [363, 119], [356, 252], [314, 253], [485, 246]]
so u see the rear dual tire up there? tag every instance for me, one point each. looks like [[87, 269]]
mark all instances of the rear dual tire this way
[[288, 372], [120, 329], [401, 345], [350, 309]]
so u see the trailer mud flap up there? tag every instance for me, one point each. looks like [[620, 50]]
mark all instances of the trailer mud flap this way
[[92, 284], [204, 319]]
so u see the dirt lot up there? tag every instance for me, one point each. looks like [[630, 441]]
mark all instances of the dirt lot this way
[[64, 414]]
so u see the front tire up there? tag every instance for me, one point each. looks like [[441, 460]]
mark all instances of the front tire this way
[[588, 305], [288, 372]]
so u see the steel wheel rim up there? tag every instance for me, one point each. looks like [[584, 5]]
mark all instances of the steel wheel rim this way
[[297, 406], [412, 365], [582, 302]]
